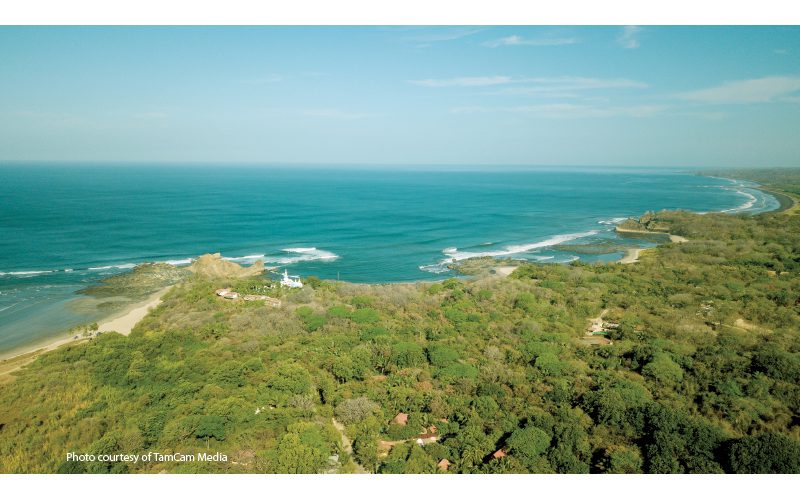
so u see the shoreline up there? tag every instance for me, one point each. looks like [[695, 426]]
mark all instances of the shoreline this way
[[676, 239], [122, 322], [631, 255], [787, 202]]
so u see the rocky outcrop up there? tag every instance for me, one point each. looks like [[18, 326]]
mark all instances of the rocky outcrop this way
[[143, 280], [647, 223], [213, 266]]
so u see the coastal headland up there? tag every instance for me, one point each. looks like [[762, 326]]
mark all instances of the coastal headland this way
[[136, 286]]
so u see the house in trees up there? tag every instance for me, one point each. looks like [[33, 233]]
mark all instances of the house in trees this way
[[427, 438], [401, 419]]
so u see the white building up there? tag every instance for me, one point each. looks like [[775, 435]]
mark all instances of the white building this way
[[291, 281]]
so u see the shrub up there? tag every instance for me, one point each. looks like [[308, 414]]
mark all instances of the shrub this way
[[767, 453], [441, 356], [407, 354], [365, 316], [354, 410]]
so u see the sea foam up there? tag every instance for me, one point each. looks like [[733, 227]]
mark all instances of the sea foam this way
[[306, 254], [454, 255], [25, 273], [178, 262], [245, 259], [612, 221], [126, 266], [751, 201]]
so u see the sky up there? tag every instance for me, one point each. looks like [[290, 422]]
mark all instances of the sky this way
[[537, 95]]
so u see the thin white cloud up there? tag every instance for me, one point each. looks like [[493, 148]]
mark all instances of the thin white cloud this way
[[423, 37], [336, 113], [537, 42], [629, 38], [569, 110], [757, 90], [569, 85], [782, 52], [534, 84], [463, 81]]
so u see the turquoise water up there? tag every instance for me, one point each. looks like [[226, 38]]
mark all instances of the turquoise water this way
[[65, 227]]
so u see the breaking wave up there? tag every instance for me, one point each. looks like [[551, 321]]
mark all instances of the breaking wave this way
[[612, 221], [178, 262], [126, 266], [294, 255], [245, 259], [26, 273], [454, 255], [751, 201], [302, 254]]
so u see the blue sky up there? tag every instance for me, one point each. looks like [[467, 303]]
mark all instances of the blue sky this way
[[639, 96]]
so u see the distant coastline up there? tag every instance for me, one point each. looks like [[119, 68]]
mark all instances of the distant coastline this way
[[786, 202]]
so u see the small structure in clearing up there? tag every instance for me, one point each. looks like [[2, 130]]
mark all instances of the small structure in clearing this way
[[597, 330], [229, 294], [271, 301], [427, 438], [401, 419]]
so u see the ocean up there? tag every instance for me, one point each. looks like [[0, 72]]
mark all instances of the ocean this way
[[65, 227]]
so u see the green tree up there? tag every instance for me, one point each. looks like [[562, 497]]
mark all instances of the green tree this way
[[621, 459], [354, 410], [528, 443], [290, 377], [663, 369], [765, 453], [210, 427], [407, 354], [550, 364], [441, 356]]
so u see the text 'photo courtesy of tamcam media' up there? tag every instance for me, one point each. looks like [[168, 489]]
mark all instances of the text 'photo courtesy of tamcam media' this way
[[148, 457]]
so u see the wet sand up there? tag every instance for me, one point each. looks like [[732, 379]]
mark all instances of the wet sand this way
[[122, 322]]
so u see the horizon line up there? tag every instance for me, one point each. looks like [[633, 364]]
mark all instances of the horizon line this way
[[361, 164]]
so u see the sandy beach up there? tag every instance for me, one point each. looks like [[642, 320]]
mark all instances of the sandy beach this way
[[788, 204], [122, 322], [125, 321], [504, 271], [631, 256]]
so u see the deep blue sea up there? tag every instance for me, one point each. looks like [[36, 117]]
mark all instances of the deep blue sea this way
[[63, 227]]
